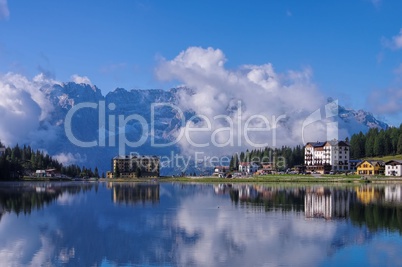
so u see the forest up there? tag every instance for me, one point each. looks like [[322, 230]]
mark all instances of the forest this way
[[289, 156], [17, 162], [376, 143]]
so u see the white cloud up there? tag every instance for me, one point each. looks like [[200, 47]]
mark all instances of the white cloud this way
[[23, 106], [81, 79], [395, 42], [4, 12], [228, 236], [259, 89], [67, 199], [69, 158], [27, 246]]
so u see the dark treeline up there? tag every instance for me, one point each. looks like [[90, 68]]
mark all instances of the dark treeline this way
[[376, 143], [284, 157], [25, 199], [377, 217], [280, 199], [19, 161]]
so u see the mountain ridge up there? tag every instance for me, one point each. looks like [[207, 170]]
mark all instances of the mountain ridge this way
[[137, 101]]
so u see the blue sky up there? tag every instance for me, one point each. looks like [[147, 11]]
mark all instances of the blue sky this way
[[351, 47]]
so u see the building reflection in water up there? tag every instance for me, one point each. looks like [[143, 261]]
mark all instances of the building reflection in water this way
[[320, 202], [134, 193], [393, 194], [369, 194]]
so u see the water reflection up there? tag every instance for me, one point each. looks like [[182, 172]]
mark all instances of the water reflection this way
[[376, 206], [78, 224], [25, 197], [133, 193]]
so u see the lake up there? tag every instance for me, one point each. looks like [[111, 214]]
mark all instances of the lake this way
[[183, 224]]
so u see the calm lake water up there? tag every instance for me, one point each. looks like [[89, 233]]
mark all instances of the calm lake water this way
[[175, 224]]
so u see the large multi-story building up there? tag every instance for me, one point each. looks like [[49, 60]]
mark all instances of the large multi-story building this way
[[327, 156], [134, 166]]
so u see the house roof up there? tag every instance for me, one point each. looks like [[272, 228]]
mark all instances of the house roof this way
[[316, 144], [247, 163], [394, 162], [372, 162], [337, 143], [332, 143], [221, 167]]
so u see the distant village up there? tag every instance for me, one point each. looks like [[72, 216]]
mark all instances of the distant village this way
[[326, 157]]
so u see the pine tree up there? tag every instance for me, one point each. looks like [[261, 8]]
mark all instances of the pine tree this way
[[379, 143], [370, 139], [355, 151], [231, 164], [242, 156], [399, 146]]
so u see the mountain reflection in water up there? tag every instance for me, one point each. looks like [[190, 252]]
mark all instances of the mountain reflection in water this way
[[182, 224]]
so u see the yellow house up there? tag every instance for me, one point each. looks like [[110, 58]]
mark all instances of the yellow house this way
[[370, 167]]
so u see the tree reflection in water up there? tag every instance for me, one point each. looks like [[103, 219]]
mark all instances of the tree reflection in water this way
[[377, 207]]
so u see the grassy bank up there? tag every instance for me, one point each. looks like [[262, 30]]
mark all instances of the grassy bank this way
[[257, 179], [277, 179], [386, 158]]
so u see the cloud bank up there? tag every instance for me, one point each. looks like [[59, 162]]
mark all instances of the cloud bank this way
[[254, 96], [69, 158], [23, 106]]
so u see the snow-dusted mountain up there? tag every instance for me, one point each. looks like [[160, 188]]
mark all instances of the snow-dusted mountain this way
[[360, 120], [153, 109]]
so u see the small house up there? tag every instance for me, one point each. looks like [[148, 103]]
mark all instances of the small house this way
[[248, 167], [370, 167], [40, 173], [393, 168], [221, 171]]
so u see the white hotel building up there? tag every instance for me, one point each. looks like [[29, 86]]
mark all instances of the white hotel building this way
[[327, 156]]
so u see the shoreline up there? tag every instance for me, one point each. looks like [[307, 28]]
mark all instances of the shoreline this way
[[261, 179]]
